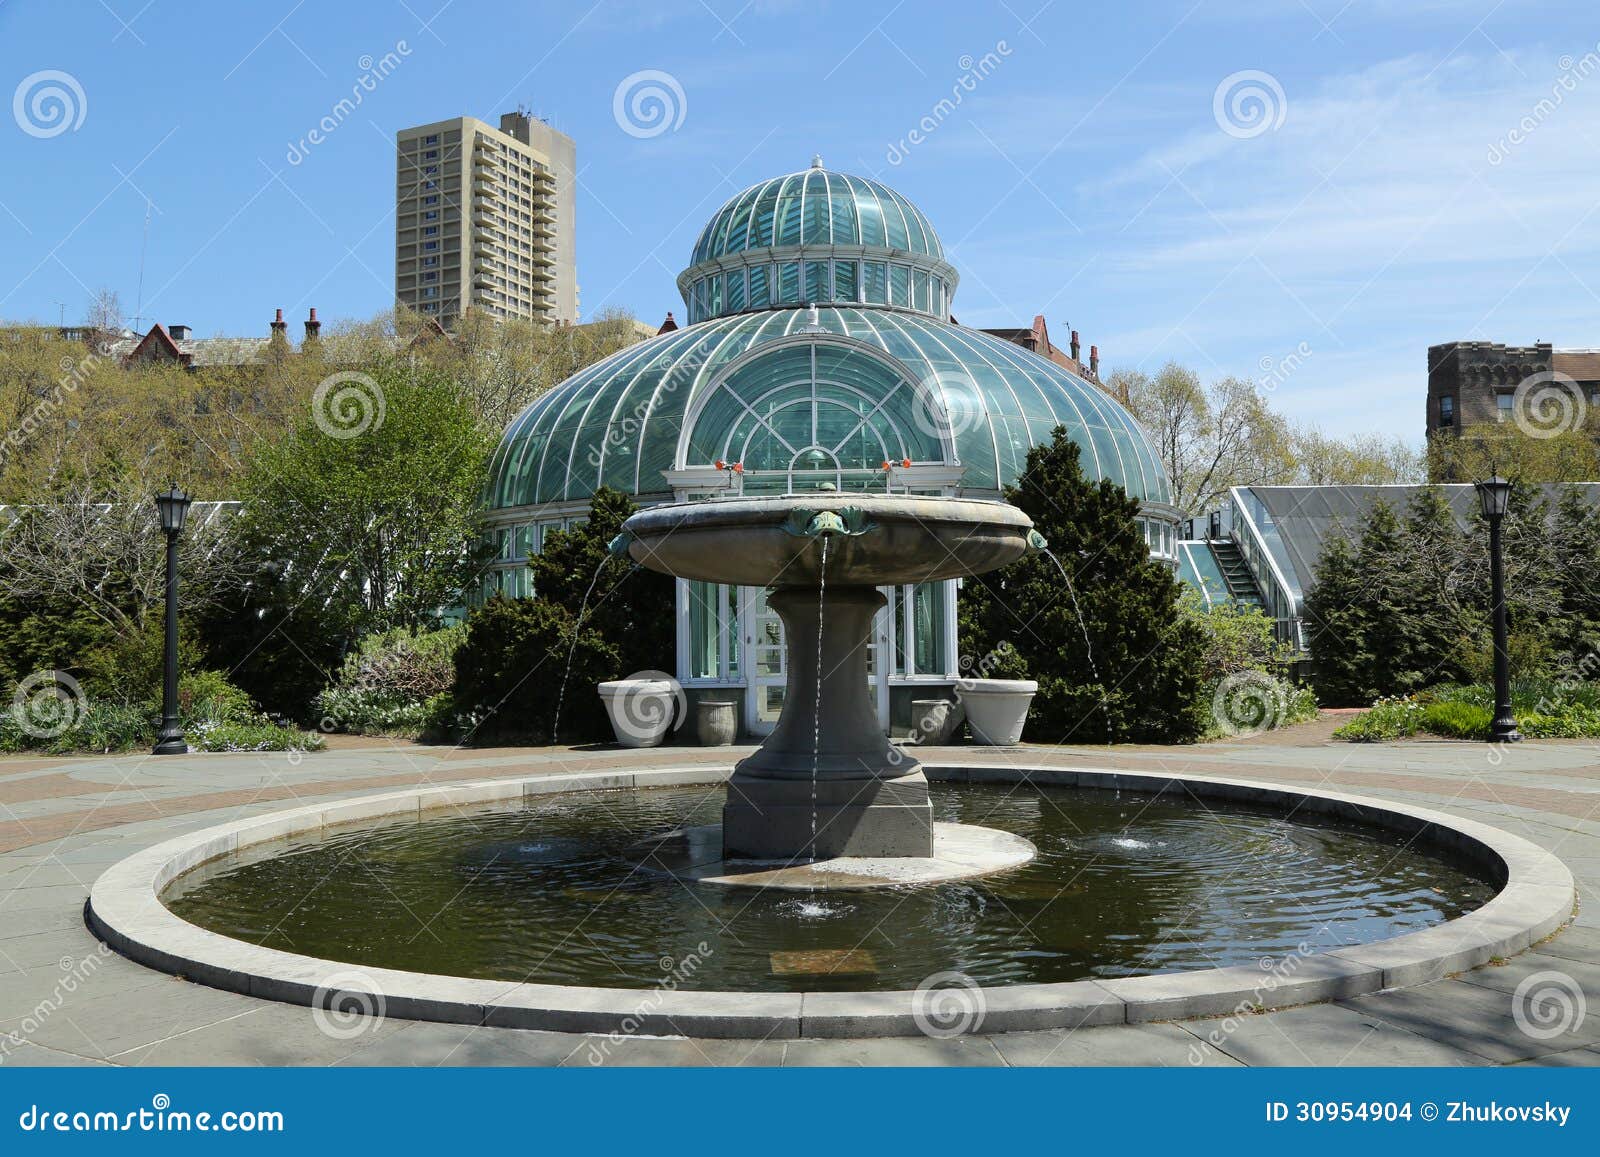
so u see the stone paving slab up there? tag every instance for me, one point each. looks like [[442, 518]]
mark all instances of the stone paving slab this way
[[1547, 792], [1132, 1045], [1468, 1017], [1326, 1035]]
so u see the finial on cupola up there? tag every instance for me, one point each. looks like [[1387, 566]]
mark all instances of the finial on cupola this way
[[816, 160]]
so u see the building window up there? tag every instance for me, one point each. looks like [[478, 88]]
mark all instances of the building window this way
[[426, 261], [1447, 410], [430, 277], [431, 199], [430, 230], [1503, 406], [431, 170], [432, 139], [430, 291], [430, 215], [430, 245], [431, 155]]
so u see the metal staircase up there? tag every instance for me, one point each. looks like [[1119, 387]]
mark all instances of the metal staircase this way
[[1235, 572]]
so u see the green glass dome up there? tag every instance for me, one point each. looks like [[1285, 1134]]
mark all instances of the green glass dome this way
[[817, 237], [837, 389], [817, 207]]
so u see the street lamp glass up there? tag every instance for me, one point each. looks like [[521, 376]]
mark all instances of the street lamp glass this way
[[1494, 493], [173, 506]]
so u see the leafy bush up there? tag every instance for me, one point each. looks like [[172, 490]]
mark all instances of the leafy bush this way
[[101, 726], [258, 734], [509, 671], [394, 683], [208, 697], [1544, 709]]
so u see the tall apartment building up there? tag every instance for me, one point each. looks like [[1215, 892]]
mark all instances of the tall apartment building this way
[[484, 219]]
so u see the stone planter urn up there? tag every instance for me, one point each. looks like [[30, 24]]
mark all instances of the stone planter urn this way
[[996, 708], [641, 710], [934, 721], [716, 722]]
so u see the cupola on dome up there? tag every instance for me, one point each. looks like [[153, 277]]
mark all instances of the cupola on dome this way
[[817, 237]]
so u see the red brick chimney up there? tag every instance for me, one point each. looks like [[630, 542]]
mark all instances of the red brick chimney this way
[[1094, 361], [1075, 346], [313, 326], [280, 328]]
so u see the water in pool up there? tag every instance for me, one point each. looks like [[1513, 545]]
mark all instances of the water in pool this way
[[1124, 884]]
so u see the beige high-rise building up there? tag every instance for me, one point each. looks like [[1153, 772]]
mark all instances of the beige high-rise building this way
[[484, 219]]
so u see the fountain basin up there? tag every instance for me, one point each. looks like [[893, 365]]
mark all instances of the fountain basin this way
[[1534, 898], [891, 539]]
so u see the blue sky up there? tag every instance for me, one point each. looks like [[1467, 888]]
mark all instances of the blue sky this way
[[1411, 173]]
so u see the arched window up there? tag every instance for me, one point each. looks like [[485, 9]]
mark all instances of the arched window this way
[[815, 414]]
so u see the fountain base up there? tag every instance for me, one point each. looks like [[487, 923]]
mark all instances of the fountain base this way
[[794, 819], [960, 851]]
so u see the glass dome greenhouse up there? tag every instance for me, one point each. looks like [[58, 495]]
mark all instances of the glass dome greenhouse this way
[[819, 349]]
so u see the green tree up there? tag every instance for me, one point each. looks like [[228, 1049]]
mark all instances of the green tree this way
[[374, 513], [1146, 654], [1337, 627]]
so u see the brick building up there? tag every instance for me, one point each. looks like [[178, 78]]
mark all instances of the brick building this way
[[1472, 383]]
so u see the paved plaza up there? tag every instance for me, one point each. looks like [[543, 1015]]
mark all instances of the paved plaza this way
[[66, 1000]]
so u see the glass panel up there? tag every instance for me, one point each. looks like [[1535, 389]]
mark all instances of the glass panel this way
[[875, 282], [788, 224], [816, 210], [730, 634], [870, 213], [716, 295], [705, 630], [894, 222], [844, 281], [760, 286], [817, 281], [919, 290], [928, 628], [900, 285], [843, 206], [900, 620], [736, 291], [789, 283]]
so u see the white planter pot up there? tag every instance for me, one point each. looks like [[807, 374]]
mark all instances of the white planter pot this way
[[640, 709], [996, 708]]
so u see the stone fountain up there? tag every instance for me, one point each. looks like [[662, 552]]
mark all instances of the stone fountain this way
[[827, 783]]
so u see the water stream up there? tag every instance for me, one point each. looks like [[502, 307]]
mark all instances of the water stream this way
[[816, 713], [1088, 647], [583, 609]]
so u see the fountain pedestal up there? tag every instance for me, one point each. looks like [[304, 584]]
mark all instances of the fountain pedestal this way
[[831, 786]]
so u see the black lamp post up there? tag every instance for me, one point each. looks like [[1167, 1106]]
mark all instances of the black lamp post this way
[[1495, 494], [173, 506]]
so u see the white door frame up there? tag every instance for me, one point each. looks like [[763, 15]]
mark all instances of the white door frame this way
[[883, 635]]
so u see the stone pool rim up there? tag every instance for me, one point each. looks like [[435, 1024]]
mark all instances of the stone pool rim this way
[[1535, 898]]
